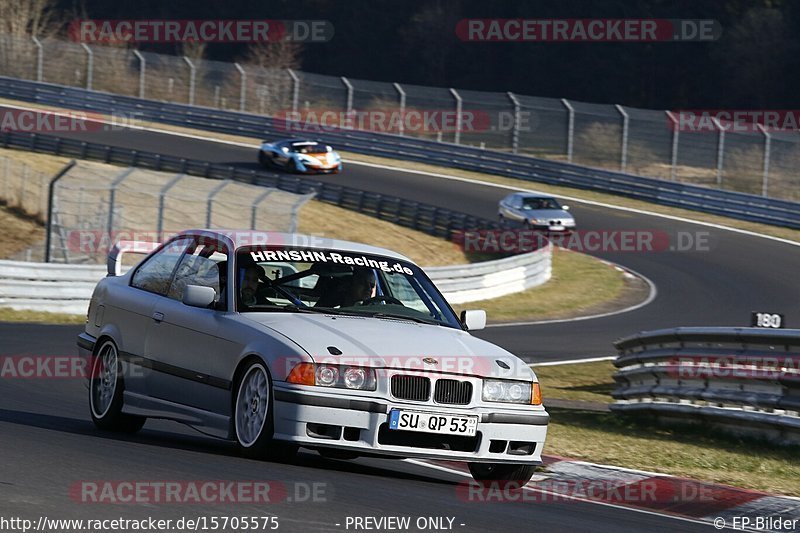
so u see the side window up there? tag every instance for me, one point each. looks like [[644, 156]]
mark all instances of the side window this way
[[200, 266], [155, 274]]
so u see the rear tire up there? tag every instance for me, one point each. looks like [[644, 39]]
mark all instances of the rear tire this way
[[263, 160], [253, 419], [504, 474], [106, 386], [291, 167]]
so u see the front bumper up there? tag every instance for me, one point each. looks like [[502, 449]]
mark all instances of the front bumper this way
[[324, 419]]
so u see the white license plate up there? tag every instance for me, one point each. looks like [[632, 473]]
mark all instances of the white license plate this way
[[433, 423], [557, 228]]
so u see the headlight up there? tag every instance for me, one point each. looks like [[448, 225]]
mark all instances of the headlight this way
[[523, 392], [337, 376]]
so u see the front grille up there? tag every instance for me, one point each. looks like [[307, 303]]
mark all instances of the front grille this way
[[416, 388], [453, 392]]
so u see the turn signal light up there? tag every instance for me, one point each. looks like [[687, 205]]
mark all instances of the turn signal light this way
[[536, 394], [302, 374]]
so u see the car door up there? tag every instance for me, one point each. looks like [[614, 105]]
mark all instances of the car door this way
[[282, 154], [132, 314], [190, 362], [514, 211]]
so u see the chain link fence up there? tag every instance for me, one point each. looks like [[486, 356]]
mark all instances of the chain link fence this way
[[639, 141], [95, 206]]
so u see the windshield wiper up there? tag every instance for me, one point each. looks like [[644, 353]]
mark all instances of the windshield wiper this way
[[292, 308], [404, 317]]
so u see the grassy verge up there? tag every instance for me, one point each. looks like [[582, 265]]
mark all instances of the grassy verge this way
[[11, 315], [326, 220], [581, 285], [635, 442]]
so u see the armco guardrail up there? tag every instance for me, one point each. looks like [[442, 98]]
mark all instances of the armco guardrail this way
[[55, 288], [491, 279], [742, 379], [732, 204], [68, 288]]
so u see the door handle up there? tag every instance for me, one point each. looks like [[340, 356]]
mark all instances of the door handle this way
[[158, 316]]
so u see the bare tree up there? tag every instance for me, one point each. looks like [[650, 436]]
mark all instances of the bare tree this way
[[19, 21], [194, 50], [268, 83], [276, 55]]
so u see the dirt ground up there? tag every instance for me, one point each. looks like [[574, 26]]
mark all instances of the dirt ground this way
[[17, 233]]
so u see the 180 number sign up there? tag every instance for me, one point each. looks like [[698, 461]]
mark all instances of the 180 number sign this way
[[766, 320]]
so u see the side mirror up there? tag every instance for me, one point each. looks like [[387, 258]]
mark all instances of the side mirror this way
[[565, 207], [198, 296], [473, 319]]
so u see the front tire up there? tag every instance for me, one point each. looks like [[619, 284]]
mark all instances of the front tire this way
[[291, 167], [253, 416], [487, 473], [106, 386]]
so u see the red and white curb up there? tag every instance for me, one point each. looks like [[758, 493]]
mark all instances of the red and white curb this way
[[565, 480]]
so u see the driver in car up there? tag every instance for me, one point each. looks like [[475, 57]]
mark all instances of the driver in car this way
[[250, 285], [360, 288]]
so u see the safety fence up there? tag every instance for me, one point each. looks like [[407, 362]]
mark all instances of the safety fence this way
[[745, 380], [672, 193], [647, 142]]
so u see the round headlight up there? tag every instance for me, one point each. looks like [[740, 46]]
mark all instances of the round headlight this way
[[493, 390], [354, 378], [516, 392], [327, 376]]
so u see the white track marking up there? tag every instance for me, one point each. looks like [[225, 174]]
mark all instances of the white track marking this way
[[575, 361]]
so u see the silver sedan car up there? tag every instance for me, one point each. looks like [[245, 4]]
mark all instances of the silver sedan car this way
[[278, 341], [535, 211]]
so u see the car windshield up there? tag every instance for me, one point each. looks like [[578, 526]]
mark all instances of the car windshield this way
[[540, 203], [310, 148], [337, 281]]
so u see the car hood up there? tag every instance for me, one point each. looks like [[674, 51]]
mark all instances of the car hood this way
[[547, 213], [394, 343]]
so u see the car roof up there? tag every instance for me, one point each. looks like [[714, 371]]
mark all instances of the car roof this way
[[240, 238], [532, 195], [299, 141]]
